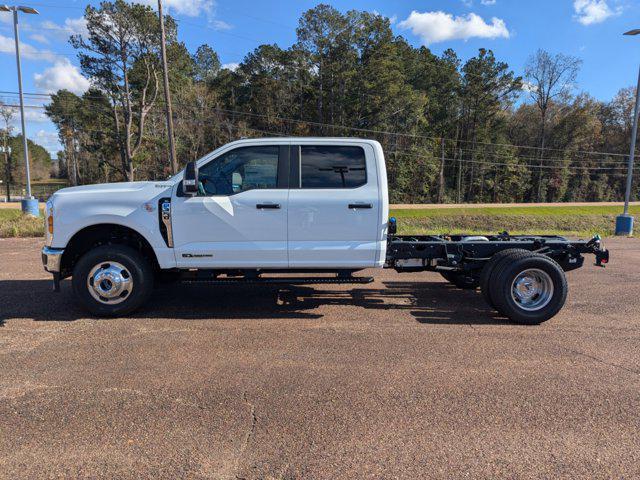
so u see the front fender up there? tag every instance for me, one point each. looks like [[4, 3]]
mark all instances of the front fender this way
[[72, 217]]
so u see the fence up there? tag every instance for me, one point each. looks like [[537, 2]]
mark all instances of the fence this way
[[41, 191]]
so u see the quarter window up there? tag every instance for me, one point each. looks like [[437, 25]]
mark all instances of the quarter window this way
[[332, 167], [242, 169]]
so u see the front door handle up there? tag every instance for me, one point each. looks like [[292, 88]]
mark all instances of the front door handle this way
[[272, 206], [360, 205]]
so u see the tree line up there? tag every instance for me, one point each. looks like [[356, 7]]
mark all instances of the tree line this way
[[452, 131], [12, 171]]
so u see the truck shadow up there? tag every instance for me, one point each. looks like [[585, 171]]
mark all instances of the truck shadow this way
[[427, 302]]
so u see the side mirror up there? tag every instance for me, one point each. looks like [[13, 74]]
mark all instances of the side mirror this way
[[190, 180]]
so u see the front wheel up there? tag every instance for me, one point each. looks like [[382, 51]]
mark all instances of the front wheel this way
[[530, 289], [112, 280]]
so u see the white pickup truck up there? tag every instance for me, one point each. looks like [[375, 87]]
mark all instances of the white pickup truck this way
[[315, 209]]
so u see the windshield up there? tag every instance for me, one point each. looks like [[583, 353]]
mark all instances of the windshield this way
[[178, 176]]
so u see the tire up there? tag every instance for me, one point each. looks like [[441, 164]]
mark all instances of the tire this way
[[486, 276], [542, 290], [112, 280]]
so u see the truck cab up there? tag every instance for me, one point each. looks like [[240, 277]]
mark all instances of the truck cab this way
[[281, 204], [284, 204]]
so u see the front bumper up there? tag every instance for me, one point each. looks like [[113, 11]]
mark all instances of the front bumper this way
[[51, 259]]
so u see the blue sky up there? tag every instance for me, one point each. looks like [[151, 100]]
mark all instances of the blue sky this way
[[513, 29]]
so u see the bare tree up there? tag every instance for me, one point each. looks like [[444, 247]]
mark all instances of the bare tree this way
[[7, 113], [549, 77]]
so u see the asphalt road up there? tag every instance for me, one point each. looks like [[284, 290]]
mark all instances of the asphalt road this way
[[403, 378]]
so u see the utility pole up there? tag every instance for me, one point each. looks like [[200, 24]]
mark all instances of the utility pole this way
[[29, 204], [167, 94], [7, 165], [441, 175], [459, 180], [7, 114]]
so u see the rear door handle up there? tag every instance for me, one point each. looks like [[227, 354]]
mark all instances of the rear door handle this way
[[360, 205], [271, 206]]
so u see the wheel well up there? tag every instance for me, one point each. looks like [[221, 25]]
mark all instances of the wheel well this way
[[104, 234]]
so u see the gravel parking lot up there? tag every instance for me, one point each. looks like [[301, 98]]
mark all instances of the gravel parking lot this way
[[407, 377]]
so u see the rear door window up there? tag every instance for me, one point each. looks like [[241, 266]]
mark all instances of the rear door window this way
[[332, 167]]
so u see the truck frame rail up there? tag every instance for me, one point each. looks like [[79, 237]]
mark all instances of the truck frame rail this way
[[469, 253]]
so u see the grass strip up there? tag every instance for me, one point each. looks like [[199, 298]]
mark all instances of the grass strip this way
[[14, 224], [569, 221]]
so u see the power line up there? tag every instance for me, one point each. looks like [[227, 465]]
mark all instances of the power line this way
[[570, 168], [358, 129], [520, 165], [236, 13], [55, 6], [208, 27], [389, 133], [381, 132], [514, 157]]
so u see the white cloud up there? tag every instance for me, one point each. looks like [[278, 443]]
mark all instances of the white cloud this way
[[233, 66], [77, 25], [49, 140], [50, 32], [439, 26], [31, 115], [189, 8], [39, 38], [8, 46], [221, 25], [529, 87], [34, 115], [63, 75], [488, 2], [589, 12], [392, 19], [71, 26]]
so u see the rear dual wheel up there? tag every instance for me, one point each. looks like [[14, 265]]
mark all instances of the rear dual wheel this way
[[487, 275], [527, 287]]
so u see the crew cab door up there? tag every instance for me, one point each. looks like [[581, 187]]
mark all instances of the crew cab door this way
[[239, 218], [334, 206]]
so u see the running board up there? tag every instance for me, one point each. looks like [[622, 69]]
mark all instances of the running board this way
[[278, 280]]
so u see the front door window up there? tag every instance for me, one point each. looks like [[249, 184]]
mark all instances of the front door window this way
[[242, 169]]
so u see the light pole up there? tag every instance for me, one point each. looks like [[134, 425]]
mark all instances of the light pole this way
[[29, 204], [624, 222]]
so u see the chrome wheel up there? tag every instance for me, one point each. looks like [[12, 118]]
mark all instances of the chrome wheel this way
[[532, 289], [110, 283]]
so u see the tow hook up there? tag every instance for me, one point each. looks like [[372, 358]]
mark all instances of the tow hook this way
[[602, 258], [602, 254]]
